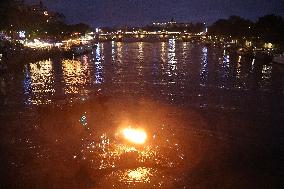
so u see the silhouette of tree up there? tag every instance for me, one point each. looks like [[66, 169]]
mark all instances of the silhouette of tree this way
[[234, 26], [270, 28]]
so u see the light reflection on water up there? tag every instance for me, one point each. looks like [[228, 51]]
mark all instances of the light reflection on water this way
[[266, 77], [98, 65], [204, 67], [76, 75], [132, 177], [140, 174], [110, 151], [129, 163], [39, 83], [173, 72], [163, 52], [140, 59], [224, 70], [172, 61], [177, 72]]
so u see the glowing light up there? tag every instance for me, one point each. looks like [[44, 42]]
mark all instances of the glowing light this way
[[22, 34], [172, 61], [140, 174], [268, 45], [136, 136], [37, 44], [75, 76], [39, 86]]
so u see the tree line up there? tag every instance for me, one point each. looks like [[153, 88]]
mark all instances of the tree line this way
[[269, 28], [36, 20]]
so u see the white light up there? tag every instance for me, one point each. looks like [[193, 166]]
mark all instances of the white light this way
[[136, 136], [22, 34]]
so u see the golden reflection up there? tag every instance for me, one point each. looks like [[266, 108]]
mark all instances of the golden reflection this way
[[124, 148], [124, 164], [139, 175], [39, 84], [144, 177], [239, 59], [140, 49], [113, 152], [76, 76], [119, 51], [184, 45]]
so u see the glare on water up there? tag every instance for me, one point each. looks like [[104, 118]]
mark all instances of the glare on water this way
[[170, 71], [85, 134]]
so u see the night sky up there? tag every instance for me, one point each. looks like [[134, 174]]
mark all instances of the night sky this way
[[99, 13]]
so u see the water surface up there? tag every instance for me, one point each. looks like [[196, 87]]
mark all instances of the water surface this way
[[212, 117]]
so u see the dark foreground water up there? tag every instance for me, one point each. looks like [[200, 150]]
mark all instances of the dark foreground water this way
[[213, 119]]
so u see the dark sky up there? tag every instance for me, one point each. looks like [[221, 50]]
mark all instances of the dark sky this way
[[136, 12]]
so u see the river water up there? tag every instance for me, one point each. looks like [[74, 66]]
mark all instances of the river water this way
[[209, 115]]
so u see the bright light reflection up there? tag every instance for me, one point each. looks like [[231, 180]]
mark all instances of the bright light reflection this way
[[136, 136], [108, 153], [39, 83], [172, 61], [98, 65], [76, 76], [204, 67], [141, 174]]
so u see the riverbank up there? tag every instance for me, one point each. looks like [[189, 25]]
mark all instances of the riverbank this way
[[14, 58]]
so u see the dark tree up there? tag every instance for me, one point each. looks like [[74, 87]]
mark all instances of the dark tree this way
[[234, 26], [270, 28], [36, 20]]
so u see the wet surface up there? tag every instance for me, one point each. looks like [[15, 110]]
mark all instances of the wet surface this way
[[212, 119], [175, 72]]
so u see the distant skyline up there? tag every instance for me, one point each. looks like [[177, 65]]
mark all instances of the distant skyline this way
[[98, 13]]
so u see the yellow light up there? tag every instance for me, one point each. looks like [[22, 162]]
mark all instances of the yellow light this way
[[140, 174], [136, 136]]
